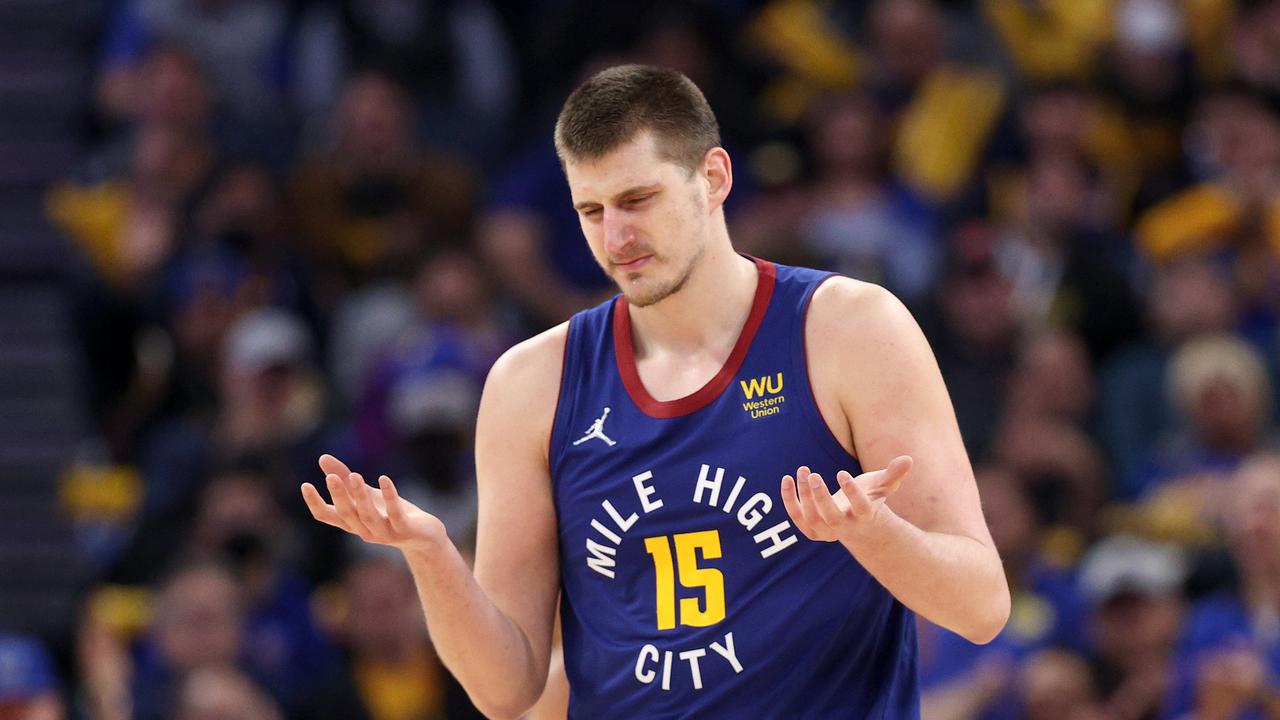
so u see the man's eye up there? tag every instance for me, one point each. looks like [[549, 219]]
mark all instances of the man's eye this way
[[591, 212], [639, 200]]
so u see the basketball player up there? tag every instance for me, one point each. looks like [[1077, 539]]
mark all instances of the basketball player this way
[[683, 466]]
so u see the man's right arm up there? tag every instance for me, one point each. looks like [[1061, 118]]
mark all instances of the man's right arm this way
[[517, 540], [492, 628]]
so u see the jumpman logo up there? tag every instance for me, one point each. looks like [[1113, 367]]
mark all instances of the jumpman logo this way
[[596, 431]]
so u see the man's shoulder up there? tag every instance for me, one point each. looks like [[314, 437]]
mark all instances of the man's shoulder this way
[[522, 390], [843, 308], [858, 333], [535, 360]]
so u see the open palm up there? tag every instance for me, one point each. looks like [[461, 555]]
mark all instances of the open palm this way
[[825, 516], [377, 515]]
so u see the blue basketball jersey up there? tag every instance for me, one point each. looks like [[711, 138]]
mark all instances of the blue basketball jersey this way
[[687, 591]]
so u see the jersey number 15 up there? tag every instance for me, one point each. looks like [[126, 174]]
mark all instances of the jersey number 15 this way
[[692, 611]]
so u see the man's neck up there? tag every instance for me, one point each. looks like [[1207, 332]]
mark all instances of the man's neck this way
[[707, 314]]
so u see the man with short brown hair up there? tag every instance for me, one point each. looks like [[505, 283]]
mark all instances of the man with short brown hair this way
[[629, 462]]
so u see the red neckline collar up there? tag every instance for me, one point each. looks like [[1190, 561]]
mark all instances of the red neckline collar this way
[[624, 351]]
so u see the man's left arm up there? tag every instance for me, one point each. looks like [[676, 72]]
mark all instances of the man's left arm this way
[[914, 520]]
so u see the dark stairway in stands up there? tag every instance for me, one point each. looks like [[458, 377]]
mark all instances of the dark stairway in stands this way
[[42, 83]]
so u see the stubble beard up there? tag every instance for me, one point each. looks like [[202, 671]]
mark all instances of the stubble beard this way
[[657, 294]]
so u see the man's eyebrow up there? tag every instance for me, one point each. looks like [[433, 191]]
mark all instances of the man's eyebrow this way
[[624, 193]]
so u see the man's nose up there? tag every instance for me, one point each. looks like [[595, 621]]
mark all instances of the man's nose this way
[[618, 231]]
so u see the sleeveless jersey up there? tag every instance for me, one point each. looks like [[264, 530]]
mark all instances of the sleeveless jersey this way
[[686, 590]]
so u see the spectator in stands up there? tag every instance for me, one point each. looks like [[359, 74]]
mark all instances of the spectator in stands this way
[[374, 200], [920, 79], [1135, 592], [1229, 654], [128, 224], [453, 58], [451, 294], [129, 228], [394, 672], [165, 86], [530, 237], [217, 693], [240, 523], [235, 258], [961, 680], [238, 258], [418, 408], [244, 215], [1062, 468], [860, 222], [1148, 74], [1188, 298], [1254, 44], [270, 408], [197, 621], [1063, 268], [974, 332], [1220, 388], [1070, 120], [243, 44], [1054, 378], [1053, 41], [1045, 434], [28, 682], [1055, 685], [1239, 136]]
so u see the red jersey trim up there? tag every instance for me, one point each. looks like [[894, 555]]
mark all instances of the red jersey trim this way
[[624, 351]]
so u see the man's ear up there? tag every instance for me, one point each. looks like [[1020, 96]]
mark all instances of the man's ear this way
[[717, 170]]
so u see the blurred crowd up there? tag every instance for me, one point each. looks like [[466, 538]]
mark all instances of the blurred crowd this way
[[307, 226]]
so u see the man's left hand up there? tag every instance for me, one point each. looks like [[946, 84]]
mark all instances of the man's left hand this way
[[847, 513]]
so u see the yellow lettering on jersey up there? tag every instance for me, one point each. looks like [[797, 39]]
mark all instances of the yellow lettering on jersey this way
[[761, 386], [665, 601], [692, 576], [711, 609], [768, 389]]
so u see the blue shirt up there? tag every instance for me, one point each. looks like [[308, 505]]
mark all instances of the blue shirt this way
[[1216, 623], [687, 591]]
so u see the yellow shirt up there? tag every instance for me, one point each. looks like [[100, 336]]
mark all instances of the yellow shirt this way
[[93, 217], [1203, 218], [412, 690]]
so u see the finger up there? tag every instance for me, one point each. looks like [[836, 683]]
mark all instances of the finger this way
[[360, 497], [320, 509], [838, 497], [343, 505], [391, 498], [792, 503], [804, 490], [808, 503], [826, 507], [333, 466], [892, 476], [859, 503]]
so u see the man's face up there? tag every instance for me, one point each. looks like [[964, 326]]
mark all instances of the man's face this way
[[646, 219], [1255, 520], [382, 609], [199, 619]]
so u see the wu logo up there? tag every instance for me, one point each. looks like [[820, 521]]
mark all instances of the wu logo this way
[[596, 432], [761, 386]]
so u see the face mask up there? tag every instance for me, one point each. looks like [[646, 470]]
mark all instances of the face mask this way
[[374, 197], [244, 546], [436, 455]]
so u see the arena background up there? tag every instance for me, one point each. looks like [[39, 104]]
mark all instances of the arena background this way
[[237, 233]]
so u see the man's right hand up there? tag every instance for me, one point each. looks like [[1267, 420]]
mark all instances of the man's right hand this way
[[376, 515]]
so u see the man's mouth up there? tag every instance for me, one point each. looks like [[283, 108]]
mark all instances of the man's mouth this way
[[633, 263]]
